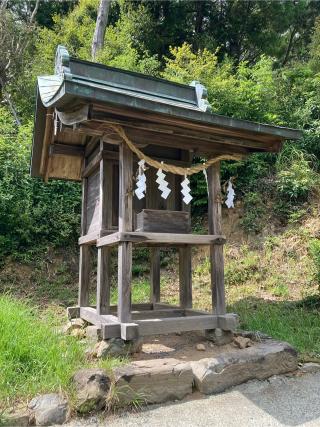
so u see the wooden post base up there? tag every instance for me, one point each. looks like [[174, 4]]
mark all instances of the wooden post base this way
[[163, 319]]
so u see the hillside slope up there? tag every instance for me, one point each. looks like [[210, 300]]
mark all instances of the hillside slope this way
[[272, 279]]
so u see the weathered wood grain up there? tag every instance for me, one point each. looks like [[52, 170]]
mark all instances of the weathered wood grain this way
[[103, 280], [185, 277], [216, 252], [161, 221], [160, 238], [84, 276], [93, 202], [154, 275], [125, 224], [176, 324]]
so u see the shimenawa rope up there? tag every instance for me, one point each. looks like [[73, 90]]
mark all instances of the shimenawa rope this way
[[178, 170]]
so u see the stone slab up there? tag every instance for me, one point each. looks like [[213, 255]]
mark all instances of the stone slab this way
[[213, 375], [153, 381], [310, 367]]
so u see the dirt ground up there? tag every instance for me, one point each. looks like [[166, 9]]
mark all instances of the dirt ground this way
[[180, 346]]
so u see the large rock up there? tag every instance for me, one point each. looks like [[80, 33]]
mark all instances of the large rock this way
[[49, 409], [153, 381], [258, 362], [18, 418], [72, 326], [92, 386]]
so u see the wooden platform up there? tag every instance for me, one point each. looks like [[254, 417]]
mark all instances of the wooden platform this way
[[154, 239], [146, 320]]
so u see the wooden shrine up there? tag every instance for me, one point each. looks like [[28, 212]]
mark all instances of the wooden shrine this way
[[84, 114]]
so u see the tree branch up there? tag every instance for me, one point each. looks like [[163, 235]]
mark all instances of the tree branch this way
[[34, 12], [7, 99]]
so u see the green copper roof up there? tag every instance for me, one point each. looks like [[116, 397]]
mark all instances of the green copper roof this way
[[78, 81]]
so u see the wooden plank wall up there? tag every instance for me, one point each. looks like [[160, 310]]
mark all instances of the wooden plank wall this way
[[93, 202]]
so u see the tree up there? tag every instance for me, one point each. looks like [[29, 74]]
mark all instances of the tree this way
[[101, 25], [15, 36]]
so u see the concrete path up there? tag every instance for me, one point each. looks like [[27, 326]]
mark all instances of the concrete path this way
[[279, 401]]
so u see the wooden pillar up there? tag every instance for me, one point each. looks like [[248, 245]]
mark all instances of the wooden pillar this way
[[185, 260], [185, 277], [155, 275], [216, 251], [105, 222], [103, 280], [125, 224], [84, 258]]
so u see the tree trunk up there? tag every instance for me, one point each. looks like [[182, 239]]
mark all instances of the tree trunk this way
[[289, 47], [101, 25]]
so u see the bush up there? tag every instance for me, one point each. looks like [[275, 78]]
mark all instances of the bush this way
[[32, 214], [254, 211], [296, 177]]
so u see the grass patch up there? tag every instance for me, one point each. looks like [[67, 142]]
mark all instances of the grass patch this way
[[33, 359], [289, 321], [140, 292]]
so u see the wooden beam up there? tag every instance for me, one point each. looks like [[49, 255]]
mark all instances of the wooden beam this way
[[158, 314], [125, 224], [170, 140], [99, 113], [91, 145], [110, 327], [214, 136], [154, 275], [182, 324], [91, 238], [129, 331], [103, 280], [145, 306], [185, 277], [66, 150], [160, 239], [47, 139], [84, 206], [92, 165], [216, 251], [185, 259], [84, 276]]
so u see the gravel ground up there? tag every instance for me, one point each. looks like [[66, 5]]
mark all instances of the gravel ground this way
[[278, 401]]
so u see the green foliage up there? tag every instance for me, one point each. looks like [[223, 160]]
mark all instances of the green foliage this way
[[254, 212], [249, 75], [296, 177], [280, 290], [237, 272], [314, 249], [33, 359], [31, 213]]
